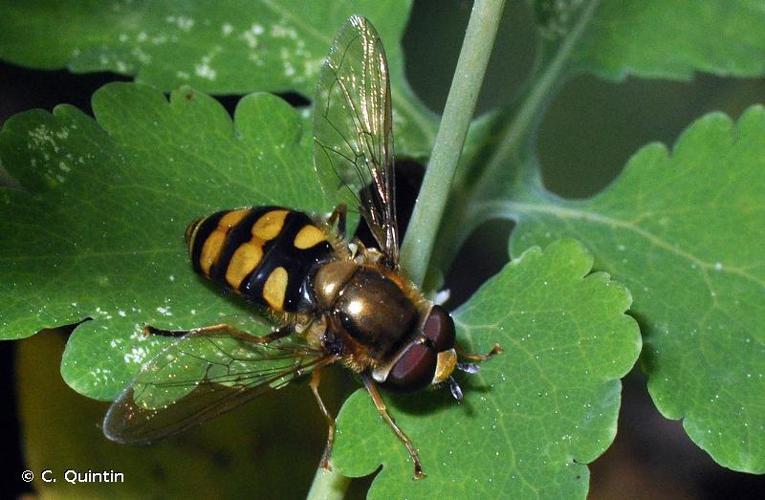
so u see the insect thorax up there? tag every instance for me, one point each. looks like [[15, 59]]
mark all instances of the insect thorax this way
[[368, 310]]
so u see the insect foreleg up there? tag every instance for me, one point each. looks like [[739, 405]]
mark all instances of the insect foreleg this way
[[497, 349], [383, 411]]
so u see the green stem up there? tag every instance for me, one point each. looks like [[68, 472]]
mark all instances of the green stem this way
[[460, 106], [463, 217], [418, 244], [328, 485]]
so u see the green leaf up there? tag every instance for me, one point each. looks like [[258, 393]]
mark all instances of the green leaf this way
[[674, 39], [244, 453], [97, 230], [685, 231], [535, 415], [225, 47]]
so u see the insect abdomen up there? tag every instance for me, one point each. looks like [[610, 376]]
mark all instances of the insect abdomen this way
[[262, 253]]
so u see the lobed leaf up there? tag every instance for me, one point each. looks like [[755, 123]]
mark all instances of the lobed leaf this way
[[96, 229], [674, 39], [534, 415], [685, 232], [224, 47]]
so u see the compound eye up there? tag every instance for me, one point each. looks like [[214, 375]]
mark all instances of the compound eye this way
[[414, 370], [439, 329]]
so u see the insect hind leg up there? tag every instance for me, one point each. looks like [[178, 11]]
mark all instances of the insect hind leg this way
[[222, 328], [315, 380]]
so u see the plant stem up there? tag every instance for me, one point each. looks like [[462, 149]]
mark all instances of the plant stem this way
[[418, 244], [328, 485], [466, 212], [458, 112]]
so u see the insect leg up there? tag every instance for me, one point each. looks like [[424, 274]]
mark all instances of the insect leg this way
[[497, 349], [315, 380], [339, 215], [223, 328], [383, 411]]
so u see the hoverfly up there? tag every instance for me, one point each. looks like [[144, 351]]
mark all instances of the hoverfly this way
[[334, 300]]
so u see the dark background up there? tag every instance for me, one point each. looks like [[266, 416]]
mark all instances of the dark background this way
[[587, 135]]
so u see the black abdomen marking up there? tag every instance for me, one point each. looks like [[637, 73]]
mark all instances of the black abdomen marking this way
[[262, 253]]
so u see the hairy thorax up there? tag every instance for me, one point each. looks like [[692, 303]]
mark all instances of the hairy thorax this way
[[370, 313]]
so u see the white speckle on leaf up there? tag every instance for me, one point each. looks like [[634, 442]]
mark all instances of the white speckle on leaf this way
[[121, 313], [136, 355], [41, 136], [312, 66], [226, 29], [182, 75], [184, 23], [138, 334], [718, 266], [250, 36], [164, 311], [101, 373], [204, 70], [171, 277], [280, 31], [141, 56]]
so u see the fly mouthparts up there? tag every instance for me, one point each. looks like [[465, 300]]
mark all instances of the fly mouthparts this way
[[471, 368]]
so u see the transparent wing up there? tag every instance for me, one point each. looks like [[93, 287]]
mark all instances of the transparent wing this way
[[201, 376], [353, 139]]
